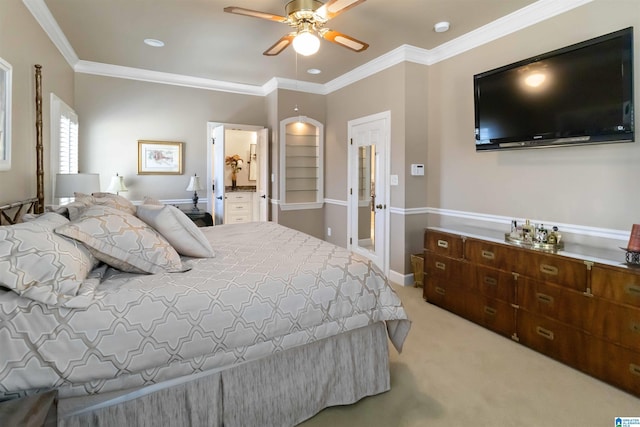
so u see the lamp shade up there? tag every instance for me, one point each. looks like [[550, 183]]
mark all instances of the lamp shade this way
[[194, 184], [117, 185], [67, 184]]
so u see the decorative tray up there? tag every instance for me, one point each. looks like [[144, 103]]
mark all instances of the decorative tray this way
[[550, 247]]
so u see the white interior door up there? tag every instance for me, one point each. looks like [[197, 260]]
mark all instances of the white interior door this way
[[218, 175], [262, 184], [368, 188]]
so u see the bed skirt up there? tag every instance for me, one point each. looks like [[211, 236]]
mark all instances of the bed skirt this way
[[283, 389]]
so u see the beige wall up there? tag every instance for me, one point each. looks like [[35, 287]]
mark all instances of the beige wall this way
[[582, 185], [115, 113], [402, 90], [23, 44]]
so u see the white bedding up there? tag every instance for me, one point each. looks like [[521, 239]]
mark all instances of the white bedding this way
[[267, 289]]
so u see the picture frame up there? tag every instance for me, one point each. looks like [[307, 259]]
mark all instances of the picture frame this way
[[159, 157], [5, 114]]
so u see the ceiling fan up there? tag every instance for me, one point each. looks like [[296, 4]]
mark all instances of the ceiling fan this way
[[308, 17]]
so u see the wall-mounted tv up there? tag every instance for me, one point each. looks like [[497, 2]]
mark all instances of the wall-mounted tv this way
[[581, 94]]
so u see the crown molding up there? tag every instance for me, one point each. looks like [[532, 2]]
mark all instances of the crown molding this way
[[518, 20], [109, 70], [43, 16], [508, 24]]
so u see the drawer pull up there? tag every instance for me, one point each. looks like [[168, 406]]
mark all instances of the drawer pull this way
[[633, 290], [440, 265], [488, 255], [490, 311], [443, 244], [547, 299], [490, 281], [544, 333], [634, 369], [635, 328], [549, 269], [440, 291]]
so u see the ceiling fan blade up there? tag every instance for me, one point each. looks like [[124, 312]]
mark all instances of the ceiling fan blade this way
[[254, 13], [333, 8], [344, 40], [280, 45]]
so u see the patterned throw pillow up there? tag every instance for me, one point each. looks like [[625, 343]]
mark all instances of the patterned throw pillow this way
[[111, 200], [122, 241], [177, 228], [39, 264]]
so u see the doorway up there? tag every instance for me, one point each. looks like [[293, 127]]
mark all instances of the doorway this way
[[250, 143], [369, 165]]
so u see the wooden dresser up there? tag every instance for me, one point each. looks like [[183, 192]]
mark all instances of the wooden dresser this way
[[578, 309]]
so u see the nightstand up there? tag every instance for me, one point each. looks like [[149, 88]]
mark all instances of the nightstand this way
[[200, 218]]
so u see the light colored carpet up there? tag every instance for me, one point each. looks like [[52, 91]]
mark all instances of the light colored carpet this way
[[455, 373]]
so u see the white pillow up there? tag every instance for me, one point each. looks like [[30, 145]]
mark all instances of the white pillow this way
[[177, 228], [38, 264], [122, 241]]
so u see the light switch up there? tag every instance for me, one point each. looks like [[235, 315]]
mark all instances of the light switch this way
[[393, 180]]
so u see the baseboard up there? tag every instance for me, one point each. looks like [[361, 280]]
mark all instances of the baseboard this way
[[401, 279]]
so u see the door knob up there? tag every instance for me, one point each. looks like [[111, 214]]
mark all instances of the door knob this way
[[264, 196], [219, 197], [379, 206]]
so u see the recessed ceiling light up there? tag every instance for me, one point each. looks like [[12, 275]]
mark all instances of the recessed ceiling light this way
[[314, 71], [154, 42], [441, 27]]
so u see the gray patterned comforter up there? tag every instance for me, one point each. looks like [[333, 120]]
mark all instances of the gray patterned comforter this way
[[269, 288]]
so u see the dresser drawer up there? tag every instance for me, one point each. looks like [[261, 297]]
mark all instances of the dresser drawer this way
[[236, 219], [446, 269], [239, 196], [556, 269], [491, 254], [617, 323], [494, 283], [491, 313], [552, 338], [563, 304], [615, 365], [441, 243], [447, 297], [616, 284], [238, 208]]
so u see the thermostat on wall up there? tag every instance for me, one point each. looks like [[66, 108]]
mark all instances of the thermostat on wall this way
[[417, 169]]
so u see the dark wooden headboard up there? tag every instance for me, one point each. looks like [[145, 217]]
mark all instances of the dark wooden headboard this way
[[12, 212]]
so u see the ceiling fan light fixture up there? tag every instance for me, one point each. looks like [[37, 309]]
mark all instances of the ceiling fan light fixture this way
[[306, 43]]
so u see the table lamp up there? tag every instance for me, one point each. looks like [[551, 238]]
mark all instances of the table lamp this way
[[194, 185], [117, 185]]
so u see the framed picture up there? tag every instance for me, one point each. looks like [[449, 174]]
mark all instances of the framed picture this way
[[159, 158], [5, 115]]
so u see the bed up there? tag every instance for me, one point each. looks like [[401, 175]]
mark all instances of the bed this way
[[236, 325]]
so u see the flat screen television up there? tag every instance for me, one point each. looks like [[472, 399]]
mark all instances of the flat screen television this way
[[581, 94]]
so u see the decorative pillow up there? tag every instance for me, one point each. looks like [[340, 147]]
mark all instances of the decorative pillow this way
[[178, 229], [152, 201], [38, 264], [123, 241], [107, 199]]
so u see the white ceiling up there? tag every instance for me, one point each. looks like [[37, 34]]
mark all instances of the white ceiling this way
[[205, 43]]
